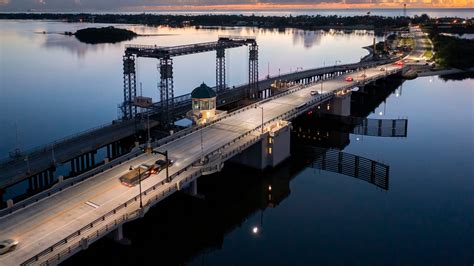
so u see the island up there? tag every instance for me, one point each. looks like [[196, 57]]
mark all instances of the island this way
[[103, 35]]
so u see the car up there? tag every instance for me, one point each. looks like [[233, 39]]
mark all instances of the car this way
[[7, 245], [313, 93], [161, 164], [399, 63], [349, 79], [382, 69]]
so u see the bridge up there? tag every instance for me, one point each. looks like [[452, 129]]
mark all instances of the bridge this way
[[77, 212], [39, 165]]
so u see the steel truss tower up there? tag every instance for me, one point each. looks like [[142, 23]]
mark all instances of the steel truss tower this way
[[253, 71], [220, 68], [129, 87], [166, 88]]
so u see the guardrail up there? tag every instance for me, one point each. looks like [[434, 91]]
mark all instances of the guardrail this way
[[32, 151], [161, 142], [100, 227], [167, 189]]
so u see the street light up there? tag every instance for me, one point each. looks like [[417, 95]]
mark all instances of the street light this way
[[139, 184], [27, 164], [262, 115]]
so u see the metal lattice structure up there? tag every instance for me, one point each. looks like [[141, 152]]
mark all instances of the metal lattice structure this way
[[253, 71], [220, 68], [129, 87], [166, 87], [165, 67]]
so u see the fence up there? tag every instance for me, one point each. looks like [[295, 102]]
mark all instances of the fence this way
[[72, 243], [351, 165]]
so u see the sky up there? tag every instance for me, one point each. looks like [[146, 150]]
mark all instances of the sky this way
[[141, 5]]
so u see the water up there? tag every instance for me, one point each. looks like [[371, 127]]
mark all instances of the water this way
[[313, 217], [53, 86]]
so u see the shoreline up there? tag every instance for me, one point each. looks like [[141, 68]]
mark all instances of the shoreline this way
[[441, 72]]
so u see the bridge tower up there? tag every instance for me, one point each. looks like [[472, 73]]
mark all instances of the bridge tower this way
[[129, 87], [166, 88], [220, 67], [253, 71]]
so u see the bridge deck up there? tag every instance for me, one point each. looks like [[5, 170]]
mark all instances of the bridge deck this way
[[14, 171], [41, 225]]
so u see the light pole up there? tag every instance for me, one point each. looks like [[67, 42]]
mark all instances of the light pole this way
[[262, 116], [139, 184], [27, 163], [148, 145]]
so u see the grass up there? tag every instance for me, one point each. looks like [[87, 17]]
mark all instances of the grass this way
[[428, 54], [406, 41]]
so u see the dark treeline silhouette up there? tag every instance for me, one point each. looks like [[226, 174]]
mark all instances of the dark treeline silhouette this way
[[302, 22], [104, 35]]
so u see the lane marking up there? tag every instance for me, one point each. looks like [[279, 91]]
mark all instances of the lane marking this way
[[92, 204]]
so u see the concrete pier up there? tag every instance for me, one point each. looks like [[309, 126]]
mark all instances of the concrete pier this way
[[271, 150]]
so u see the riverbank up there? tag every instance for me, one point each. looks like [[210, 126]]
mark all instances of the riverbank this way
[[452, 52], [367, 22]]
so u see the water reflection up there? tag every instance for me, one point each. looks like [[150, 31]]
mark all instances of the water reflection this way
[[72, 45], [54, 76]]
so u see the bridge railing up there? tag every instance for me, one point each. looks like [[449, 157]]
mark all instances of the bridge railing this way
[[161, 142], [39, 149], [101, 226], [105, 227]]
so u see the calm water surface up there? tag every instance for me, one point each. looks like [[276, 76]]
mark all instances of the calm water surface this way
[[317, 218], [53, 85]]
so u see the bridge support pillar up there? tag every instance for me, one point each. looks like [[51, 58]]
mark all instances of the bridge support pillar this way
[[118, 233], [9, 203], [340, 105], [73, 166], [194, 188], [2, 191], [272, 149]]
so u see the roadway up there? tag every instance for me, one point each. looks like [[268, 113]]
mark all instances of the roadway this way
[[42, 224]]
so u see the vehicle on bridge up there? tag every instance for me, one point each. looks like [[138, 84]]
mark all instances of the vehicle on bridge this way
[[349, 79], [132, 178], [162, 164], [314, 93], [7, 245], [399, 63]]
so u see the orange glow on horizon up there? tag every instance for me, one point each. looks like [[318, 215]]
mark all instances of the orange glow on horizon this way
[[272, 6]]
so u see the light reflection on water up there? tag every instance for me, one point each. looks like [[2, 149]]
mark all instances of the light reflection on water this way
[[54, 86]]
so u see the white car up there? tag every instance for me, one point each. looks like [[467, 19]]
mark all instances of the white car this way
[[7, 245], [313, 93]]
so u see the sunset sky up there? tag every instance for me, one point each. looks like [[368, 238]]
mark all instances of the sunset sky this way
[[140, 5]]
